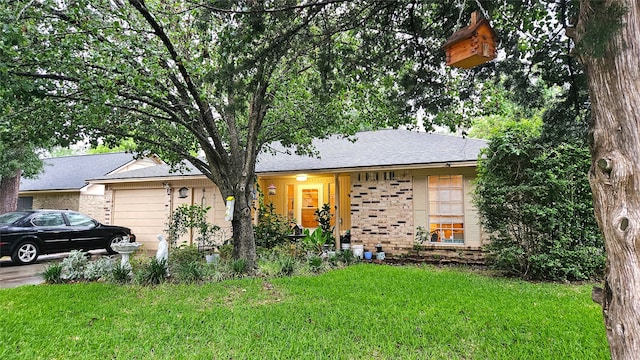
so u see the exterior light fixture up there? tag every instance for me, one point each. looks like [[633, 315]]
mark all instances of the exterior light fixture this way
[[272, 189], [182, 192], [301, 177]]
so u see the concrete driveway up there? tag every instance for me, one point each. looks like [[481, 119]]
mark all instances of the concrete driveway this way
[[12, 275]]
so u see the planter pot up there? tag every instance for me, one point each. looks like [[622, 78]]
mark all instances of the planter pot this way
[[368, 255], [358, 250], [380, 255], [345, 246]]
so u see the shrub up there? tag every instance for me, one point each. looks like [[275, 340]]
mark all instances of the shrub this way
[[226, 251], [184, 255], [120, 274], [239, 267], [272, 228], [98, 269], [153, 272], [74, 265], [191, 217], [347, 257], [287, 265], [53, 273], [315, 241], [535, 202], [323, 216], [315, 263], [190, 272]]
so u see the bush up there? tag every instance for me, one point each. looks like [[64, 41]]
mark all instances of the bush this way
[[535, 203], [315, 263], [272, 228], [74, 265], [226, 252], [53, 274], [120, 274], [153, 272], [99, 269], [347, 257], [239, 267], [189, 273], [287, 265], [184, 255]]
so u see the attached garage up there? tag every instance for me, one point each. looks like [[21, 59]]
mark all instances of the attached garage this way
[[143, 201], [142, 207]]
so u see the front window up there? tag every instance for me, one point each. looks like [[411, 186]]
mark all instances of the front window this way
[[446, 209]]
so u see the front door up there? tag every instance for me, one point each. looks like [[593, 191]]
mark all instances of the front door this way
[[309, 201]]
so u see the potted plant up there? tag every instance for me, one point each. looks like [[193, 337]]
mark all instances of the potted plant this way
[[345, 240], [315, 241]]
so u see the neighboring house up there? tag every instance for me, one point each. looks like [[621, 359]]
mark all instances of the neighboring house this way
[[384, 186], [62, 183]]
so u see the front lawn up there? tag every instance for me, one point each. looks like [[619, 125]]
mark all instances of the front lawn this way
[[360, 312]]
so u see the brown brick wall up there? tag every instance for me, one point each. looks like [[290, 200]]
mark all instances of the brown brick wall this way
[[70, 201], [93, 205], [382, 211]]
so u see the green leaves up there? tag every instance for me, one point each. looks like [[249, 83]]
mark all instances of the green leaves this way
[[535, 202]]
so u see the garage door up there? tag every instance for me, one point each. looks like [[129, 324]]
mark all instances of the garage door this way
[[142, 210]]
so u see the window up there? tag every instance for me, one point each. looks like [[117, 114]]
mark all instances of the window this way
[[48, 219], [25, 203], [76, 219], [446, 209]]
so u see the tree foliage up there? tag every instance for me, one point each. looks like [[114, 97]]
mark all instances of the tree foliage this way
[[535, 203], [213, 82]]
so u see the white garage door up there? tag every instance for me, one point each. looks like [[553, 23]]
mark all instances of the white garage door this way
[[142, 210]]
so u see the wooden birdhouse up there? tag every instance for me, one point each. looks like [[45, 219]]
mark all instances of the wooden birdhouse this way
[[472, 45]]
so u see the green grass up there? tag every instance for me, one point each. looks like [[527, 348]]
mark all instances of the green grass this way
[[360, 312]]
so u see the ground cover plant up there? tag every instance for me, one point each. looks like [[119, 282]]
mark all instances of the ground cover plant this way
[[364, 311]]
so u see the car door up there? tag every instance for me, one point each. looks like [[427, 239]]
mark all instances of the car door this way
[[84, 235], [52, 230]]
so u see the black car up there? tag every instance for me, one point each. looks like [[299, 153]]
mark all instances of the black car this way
[[25, 235]]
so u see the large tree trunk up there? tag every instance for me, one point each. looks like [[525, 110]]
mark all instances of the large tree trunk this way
[[244, 245], [9, 188], [614, 86]]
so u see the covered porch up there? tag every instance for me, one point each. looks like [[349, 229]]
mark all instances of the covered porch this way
[[298, 196]]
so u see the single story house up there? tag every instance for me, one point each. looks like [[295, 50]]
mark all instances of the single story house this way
[[62, 183], [384, 188]]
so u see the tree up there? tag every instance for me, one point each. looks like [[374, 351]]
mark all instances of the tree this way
[[606, 37], [22, 135], [213, 82]]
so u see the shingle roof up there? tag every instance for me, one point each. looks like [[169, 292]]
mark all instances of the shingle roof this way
[[371, 149], [71, 172], [378, 149]]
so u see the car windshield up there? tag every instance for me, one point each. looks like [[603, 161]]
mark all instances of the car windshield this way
[[10, 218]]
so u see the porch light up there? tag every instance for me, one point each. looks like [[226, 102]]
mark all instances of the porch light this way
[[301, 177], [272, 189], [182, 192]]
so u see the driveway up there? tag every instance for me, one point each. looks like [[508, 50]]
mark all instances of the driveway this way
[[12, 275]]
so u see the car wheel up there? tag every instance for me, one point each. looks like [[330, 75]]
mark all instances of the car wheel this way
[[25, 253], [115, 239]]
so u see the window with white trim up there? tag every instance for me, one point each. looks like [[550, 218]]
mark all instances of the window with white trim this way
[[446, 209]]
